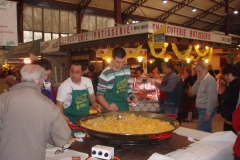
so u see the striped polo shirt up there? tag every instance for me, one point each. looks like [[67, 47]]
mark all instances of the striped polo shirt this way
[[107, 80]]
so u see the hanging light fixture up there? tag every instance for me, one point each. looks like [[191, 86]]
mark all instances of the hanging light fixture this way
[[164, 1], [205, 59], [167, 57], [140, 58], [151, 60], [108, 60], [26, 61], [235, 12], [194, 10], [189, 58]]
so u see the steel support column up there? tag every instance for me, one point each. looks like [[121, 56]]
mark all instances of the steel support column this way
[[80, 12], [117, 12], [20, 20]]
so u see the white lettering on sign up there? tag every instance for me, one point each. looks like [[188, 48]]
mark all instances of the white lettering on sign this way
[[44, 46], [225, 39]]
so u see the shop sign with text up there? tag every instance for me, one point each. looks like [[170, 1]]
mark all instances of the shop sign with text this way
[[145, 27], [49, 46], [8, 23]]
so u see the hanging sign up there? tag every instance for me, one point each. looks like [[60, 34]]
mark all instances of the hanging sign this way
[[161, 30], [76, 38], [177, 31], [23, 48], [158, 37], [8, 23], [49, 46]]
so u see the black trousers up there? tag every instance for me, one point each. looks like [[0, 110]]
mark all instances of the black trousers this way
[[236, 157], [228, 127]]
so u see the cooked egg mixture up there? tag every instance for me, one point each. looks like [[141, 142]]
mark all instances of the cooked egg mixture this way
[[130, 124]]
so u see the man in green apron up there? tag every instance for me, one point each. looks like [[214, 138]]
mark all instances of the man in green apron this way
[[75, 94], [113, 91]]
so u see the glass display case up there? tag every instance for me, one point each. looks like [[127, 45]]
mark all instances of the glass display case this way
[[144, 89]]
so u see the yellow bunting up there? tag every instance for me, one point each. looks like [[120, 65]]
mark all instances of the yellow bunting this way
[[196, 47], [104, 56], [108, 55], [136, 53], [210, 53], [209, 57], [157, 55], [178, 54], [196, 58]]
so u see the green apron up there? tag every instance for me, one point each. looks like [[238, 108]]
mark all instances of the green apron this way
[[119, 93], [79, 107]]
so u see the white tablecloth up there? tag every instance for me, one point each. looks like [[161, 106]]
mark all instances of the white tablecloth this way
[[215, 146]]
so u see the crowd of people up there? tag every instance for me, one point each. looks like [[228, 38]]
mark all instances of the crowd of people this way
[[30, 97]]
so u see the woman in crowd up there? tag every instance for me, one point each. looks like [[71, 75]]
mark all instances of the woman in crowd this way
[[154, 72], [221, 86], [230, 95], [139, 72], [188, 103], [47, 87]]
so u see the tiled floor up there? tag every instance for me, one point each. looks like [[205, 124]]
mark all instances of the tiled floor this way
[[217, 123]]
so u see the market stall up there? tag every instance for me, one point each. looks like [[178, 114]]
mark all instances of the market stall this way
[[162, 41], [29, 50], [146, 93]]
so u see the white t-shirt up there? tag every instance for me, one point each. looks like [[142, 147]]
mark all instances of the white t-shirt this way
[[64, 93]]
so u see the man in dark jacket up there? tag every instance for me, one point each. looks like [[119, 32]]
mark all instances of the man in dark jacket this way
[[172, 88]]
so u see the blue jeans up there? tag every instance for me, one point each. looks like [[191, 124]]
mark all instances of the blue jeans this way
[[203, 125], [171, 110]]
